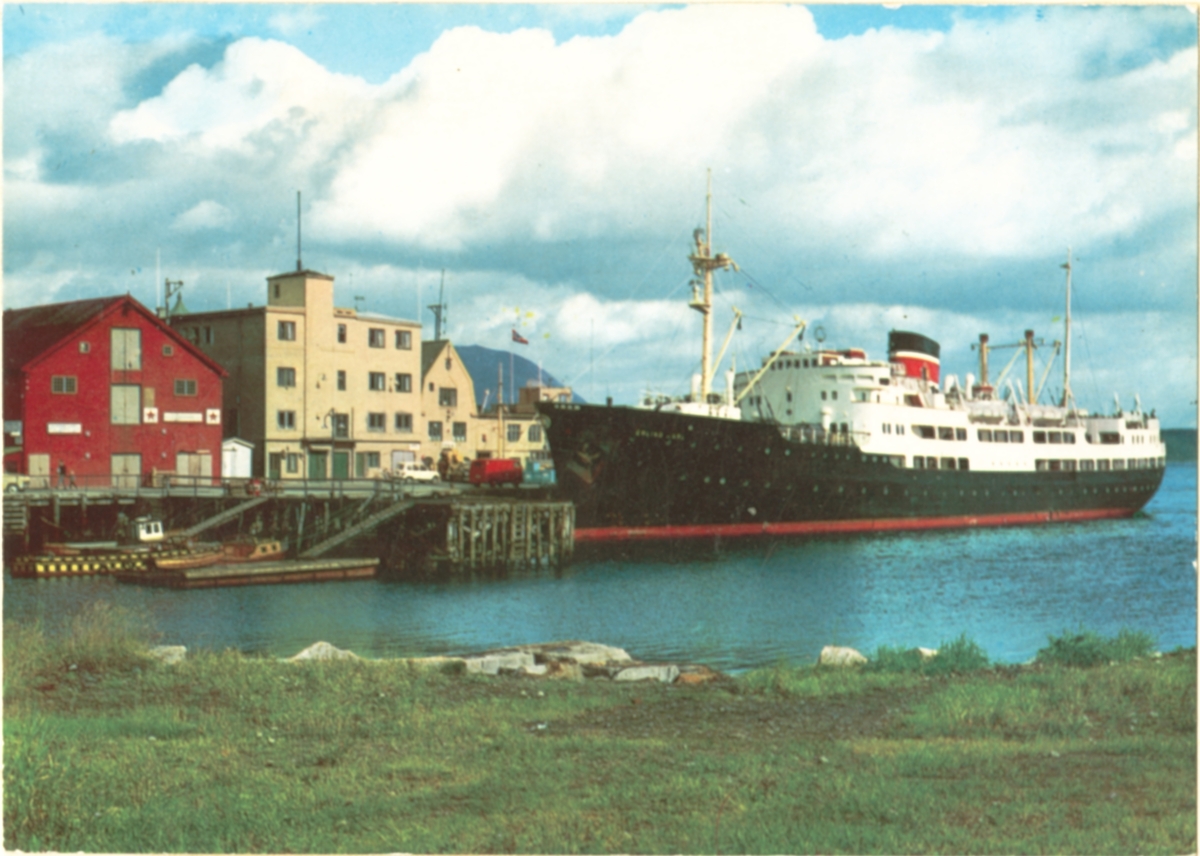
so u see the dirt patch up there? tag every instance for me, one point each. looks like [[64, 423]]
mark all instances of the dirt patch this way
[[716, 714]]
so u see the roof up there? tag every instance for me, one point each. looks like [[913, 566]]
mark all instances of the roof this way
[[305, 273], [430, 351], [32, 332]]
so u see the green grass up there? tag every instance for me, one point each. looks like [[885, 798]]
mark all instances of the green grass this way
[[1086, 648], [228, 753]]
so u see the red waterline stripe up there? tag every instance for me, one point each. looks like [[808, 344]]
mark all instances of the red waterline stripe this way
[[824, 527]]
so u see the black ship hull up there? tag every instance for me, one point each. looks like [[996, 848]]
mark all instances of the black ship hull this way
[[644, 474]]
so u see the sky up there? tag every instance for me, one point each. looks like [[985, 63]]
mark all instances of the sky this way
[[915, 168]]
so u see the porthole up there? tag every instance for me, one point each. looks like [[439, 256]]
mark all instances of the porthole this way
[[885, 490], [841, 489], [707, 480], [722, 481], [767, 450], [787, 452], [816, 488]]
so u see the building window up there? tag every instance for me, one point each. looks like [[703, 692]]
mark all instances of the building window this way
[[126, 349], [376, 381], [435, 430], [375, 337], [372, 460], [460, 432], [287, 331], [341, 334], [293, 462], [208, 337], [62, 385], [168, 351], [277, 291], [514, 433], [403, 382], [448, 364], [185, 387], [404, 423], [285, 376], [286, 419], [376, 421], [341, 425], [86, 348], [447, 397], [126, 403], [341, 380], [404, 340], [535, 433]]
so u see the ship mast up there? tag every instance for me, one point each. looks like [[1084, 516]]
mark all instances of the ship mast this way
[[1066, 399], [704, 263]]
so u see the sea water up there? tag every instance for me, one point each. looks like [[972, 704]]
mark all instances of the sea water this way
[[732, 605]]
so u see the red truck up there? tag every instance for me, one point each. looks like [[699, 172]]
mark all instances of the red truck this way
[[495, 471]]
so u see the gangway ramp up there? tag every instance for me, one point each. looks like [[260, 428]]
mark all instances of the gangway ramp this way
[[366, 525], [225, 516]]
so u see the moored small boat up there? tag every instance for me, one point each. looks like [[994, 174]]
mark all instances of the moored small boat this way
[[257, 573]]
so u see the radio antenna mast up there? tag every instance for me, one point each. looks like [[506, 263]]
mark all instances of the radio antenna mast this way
[[439, 309], [299, 267]]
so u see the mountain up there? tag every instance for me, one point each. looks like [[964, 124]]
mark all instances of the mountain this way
[[481, 364]]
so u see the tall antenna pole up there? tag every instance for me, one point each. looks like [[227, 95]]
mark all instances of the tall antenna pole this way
[[704, 263], [439, 309], [299, 267], [1066, 400]]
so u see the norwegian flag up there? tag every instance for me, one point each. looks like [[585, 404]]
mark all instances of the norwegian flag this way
[[519, 339]]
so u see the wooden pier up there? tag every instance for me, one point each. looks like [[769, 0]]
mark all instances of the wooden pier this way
[[411, 531]]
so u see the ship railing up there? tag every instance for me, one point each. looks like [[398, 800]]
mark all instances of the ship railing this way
[[816, 435]]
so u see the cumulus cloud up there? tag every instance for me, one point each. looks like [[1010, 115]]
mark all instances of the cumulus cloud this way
[[204, 215], [945, 170]]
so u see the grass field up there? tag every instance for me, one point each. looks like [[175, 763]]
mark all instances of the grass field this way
[[106, 750]]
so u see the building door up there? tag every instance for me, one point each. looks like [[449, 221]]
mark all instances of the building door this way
[[126, 470], [39, 471], [274, 464], [316, 465], [195, 467], [341, 465]]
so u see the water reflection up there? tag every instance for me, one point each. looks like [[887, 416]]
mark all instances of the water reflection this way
[[732, 605]]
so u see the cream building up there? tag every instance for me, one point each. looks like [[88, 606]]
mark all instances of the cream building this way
[[448, 426], [513, 430], [321, 391]]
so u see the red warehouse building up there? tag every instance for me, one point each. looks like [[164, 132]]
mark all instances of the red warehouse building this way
[[103, 392]]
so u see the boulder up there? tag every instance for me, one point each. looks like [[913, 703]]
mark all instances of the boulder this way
[[323, 651], [666, 673], [833, 655], [495, 662], [575, 652], [927, 653], [169, 654], [696, 675]]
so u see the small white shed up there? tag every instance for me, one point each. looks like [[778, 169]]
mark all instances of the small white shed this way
[[236, 458]]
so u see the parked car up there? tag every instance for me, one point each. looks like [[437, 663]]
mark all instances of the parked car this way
[[495, 471], [415, 471], [15, 481]]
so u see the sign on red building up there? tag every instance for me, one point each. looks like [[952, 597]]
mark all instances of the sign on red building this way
[[105, 393]]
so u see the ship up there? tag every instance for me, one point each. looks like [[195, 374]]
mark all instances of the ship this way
[[820, 441]]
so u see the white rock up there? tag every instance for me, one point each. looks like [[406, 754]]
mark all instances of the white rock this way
[[833, 655], [927, 653], [666, 674], [494, 663], [588, 653], [169, 654], [323, 651]]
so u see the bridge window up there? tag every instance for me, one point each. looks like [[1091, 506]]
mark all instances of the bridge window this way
[[985, 435], [945, 433], [964, 464]]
